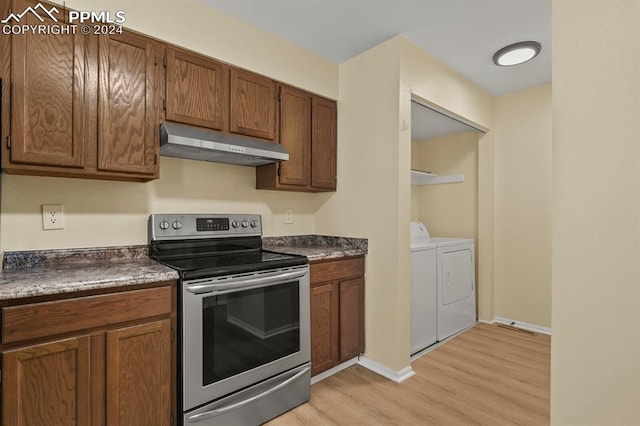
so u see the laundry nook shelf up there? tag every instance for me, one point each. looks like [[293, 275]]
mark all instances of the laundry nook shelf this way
[[426, 178]]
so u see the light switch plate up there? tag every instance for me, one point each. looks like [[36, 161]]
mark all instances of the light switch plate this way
[[288, 216], [52, 216]]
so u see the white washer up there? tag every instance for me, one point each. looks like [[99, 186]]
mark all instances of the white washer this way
[[455, 283], [423, 289]]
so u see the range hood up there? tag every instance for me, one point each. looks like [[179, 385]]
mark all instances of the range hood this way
[[195, 143]]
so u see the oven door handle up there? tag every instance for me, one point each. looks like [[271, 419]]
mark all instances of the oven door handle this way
[[244, 283], [199, 417]]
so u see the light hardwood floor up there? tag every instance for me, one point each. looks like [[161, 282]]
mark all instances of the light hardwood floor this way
[[488, 375]]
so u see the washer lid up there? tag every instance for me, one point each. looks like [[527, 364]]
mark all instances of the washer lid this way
[[419, 235], [445, 242]]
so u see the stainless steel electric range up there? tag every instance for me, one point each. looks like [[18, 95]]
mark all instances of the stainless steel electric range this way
[[244, 340]]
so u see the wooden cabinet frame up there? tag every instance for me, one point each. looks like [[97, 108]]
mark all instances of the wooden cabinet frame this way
[[253, 107], [69, 116], [108, 122], [337, 312], [100, 359], [308, 131], [197, 91]]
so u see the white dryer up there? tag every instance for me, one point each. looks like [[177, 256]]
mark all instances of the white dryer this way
[[456, 272], [423, 289], [455, 283]]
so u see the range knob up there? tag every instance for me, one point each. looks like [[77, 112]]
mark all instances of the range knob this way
[[177, 225], [235, 224], [254, 223], [164, 225], [245, 223]]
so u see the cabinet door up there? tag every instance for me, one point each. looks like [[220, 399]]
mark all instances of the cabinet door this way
[[128, 106], [324, 327], [49, 100], [47, 384], [197, 90], [253, 105], [351, 318], [295, 136], [139, 375], [323, 145]]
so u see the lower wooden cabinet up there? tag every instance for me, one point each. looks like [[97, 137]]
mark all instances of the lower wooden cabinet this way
[[47, 384], [337, 312], [138, 368], [117, 373], [351, 318], [325, 327]]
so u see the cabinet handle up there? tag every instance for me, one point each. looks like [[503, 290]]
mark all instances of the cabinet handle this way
[[8, 142]]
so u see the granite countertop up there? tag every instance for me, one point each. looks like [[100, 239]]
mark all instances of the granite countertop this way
[[46, 272], [317, 247]]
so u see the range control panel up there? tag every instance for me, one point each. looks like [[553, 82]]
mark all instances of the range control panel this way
[[174, 226]]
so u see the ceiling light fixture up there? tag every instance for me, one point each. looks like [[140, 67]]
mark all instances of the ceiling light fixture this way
[[516, 53]]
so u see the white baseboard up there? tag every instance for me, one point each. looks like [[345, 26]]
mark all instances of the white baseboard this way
[[396, 376], [330, 372], [524, 325]]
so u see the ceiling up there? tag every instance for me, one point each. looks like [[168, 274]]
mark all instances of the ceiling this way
[[464, 34]]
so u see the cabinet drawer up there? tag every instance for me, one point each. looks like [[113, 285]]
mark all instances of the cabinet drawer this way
[[47, 319], [336, 269]]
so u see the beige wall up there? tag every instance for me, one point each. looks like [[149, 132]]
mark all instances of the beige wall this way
[[101, 213], [448, 210], [374, 190], [426, 78], [366, 203], [523, 206], [195, 25], [595, 353]]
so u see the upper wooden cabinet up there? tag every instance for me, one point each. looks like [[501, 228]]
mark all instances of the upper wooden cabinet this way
[[197, 90], [50, 99], [90, 106], [324, 144], [128, 104], [308, 132], [80, 105], [253, 105], [206, 93], [295, 136]]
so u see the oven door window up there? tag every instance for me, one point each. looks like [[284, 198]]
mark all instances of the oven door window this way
[[246, 329]]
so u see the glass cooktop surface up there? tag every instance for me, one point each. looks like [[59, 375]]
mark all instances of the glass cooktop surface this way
[[226, 264]]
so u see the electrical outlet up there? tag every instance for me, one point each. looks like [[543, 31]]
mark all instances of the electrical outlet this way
[[52, 216], [288, 216]]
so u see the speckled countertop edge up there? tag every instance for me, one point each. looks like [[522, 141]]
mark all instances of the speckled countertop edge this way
[[47, 272], [13, 260], [317, 247]]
